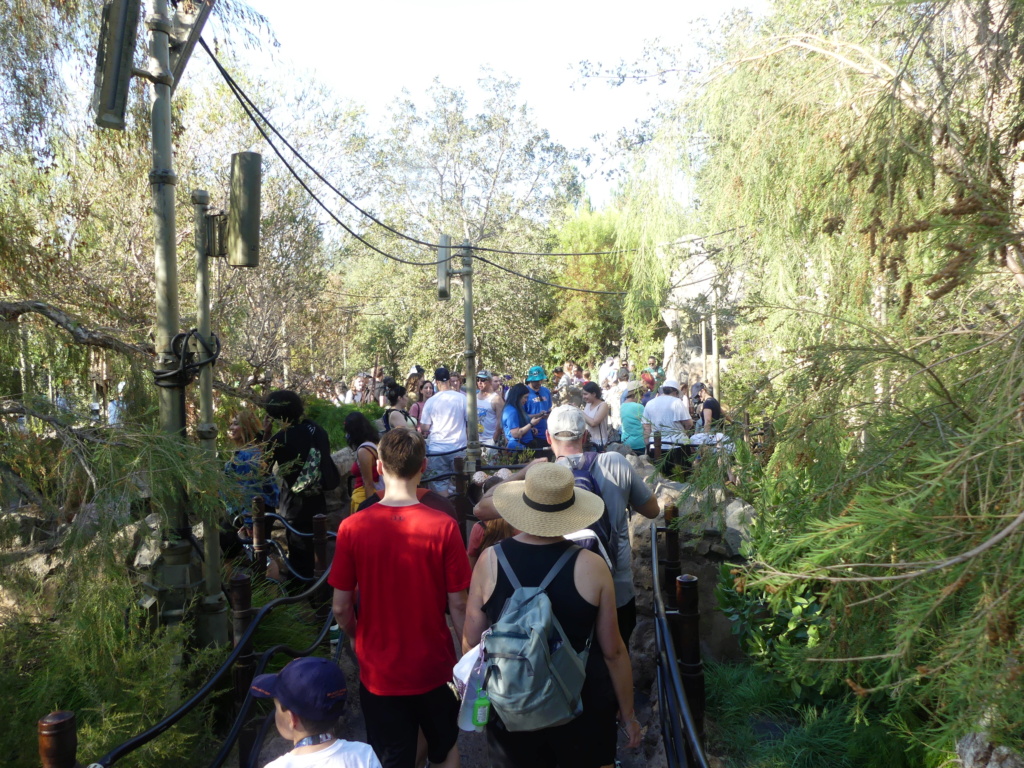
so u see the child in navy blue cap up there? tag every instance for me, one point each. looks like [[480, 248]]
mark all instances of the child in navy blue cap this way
[[309, 697]]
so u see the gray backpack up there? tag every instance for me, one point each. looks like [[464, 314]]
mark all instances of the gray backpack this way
[[532, 674]]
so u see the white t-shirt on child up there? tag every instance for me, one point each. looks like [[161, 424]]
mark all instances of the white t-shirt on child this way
[[341, 754]]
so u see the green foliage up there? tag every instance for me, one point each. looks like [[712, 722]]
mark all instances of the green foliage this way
[[332, 418], [100, 661], [754, 721], [875, 188]]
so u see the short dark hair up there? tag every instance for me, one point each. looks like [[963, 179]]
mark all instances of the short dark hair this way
[[402, 452], [285, 405], [669, 391], [314, 727]]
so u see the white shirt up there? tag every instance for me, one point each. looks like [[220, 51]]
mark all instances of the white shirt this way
[[341, 754], [445, 414], [663, 414], [487, 419], [614, 399]]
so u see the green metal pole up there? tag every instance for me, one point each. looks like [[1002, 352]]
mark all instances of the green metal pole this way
[[174, 575], [213, 614], [473, 441]]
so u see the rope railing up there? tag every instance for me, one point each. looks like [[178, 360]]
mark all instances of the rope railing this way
[[680, 676], [57, 731]]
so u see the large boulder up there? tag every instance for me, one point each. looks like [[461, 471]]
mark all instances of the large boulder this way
[[976, 751]]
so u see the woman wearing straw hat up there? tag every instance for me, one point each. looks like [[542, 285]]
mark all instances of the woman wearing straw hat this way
[[545, 507]]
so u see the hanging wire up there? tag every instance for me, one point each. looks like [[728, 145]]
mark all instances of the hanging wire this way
[[240, 94], [545, 282], [298, 178]]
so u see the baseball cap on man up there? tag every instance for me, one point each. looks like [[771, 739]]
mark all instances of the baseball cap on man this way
[[441, 374], [537, 373], [670, 384], [484, 374], [566, 423], [313, 688]]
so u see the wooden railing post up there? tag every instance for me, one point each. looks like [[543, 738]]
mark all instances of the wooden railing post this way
[[259, 536], [671, 566], [242, 613], [461, 499], [320, 566], [657, 446], [687, 640], [58, 740]]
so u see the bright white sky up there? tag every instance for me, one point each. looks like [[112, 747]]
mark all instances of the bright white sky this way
[[369, 51]]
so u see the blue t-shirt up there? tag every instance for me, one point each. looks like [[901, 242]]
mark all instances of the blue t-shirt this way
[[244, 466], [510, 419], [538, 402]]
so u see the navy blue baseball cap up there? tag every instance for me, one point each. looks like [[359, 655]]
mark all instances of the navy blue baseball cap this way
[[311, 687]]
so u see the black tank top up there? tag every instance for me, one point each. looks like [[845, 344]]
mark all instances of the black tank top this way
[[531, 563]]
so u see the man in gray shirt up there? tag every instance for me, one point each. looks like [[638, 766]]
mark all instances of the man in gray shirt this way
[[621, 487]]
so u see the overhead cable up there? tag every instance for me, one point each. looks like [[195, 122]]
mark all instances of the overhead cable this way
[[298, 178], [545, 282], [241, 94]]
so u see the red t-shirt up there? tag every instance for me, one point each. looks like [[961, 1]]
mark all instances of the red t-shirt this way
[[405, 561]]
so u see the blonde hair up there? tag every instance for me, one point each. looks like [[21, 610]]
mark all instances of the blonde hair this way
[[250, 425]]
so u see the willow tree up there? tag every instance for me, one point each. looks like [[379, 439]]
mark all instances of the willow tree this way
[[871, 156]]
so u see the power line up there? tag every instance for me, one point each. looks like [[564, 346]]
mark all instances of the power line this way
[[241, 94], [298, 178], [545, 282]]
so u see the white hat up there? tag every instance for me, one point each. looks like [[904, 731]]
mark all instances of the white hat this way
[[670, 384], [566, 423]]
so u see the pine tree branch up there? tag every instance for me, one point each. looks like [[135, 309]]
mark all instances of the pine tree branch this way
[[12, 310], [948, 563]]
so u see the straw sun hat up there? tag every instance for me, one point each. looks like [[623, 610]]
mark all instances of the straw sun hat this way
[[547, 503]]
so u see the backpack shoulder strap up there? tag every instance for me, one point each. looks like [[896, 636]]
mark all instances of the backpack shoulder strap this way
[[559, 564], [589, 459], [506, 566]]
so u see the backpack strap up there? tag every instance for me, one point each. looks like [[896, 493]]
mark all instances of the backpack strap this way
[[510, 574]]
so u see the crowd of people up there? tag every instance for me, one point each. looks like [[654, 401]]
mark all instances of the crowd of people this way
[[411, 595]]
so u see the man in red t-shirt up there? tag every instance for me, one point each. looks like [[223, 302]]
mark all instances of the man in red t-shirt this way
[[409, 563]]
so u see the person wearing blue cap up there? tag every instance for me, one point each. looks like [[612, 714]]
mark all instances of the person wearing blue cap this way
[[309, 696], [539, 402]]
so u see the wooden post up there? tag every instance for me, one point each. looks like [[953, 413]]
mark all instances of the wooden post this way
[[259, 536], [691, 670], [320, 566], [58, 740], [657, 446], [242, 612], [461, 498], [670, 566]]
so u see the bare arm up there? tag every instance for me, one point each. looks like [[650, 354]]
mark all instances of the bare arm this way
[[600, 416], [457, 608], [706, 415], [613, 649], [485, 509], [366, 462], [344, 611], [649, 508], [479, 589]]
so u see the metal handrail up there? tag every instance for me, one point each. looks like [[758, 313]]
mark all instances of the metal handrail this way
[[289, 527], [678, 727]]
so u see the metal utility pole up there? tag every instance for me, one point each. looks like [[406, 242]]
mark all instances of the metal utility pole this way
[[174, 573], [444, 273], [212, 626], [472, 428]]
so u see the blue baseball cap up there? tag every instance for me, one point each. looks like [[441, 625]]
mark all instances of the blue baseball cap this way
[[311, 687], [537, 373]]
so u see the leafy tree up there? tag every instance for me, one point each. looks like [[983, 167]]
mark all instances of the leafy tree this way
[[869, 156]]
